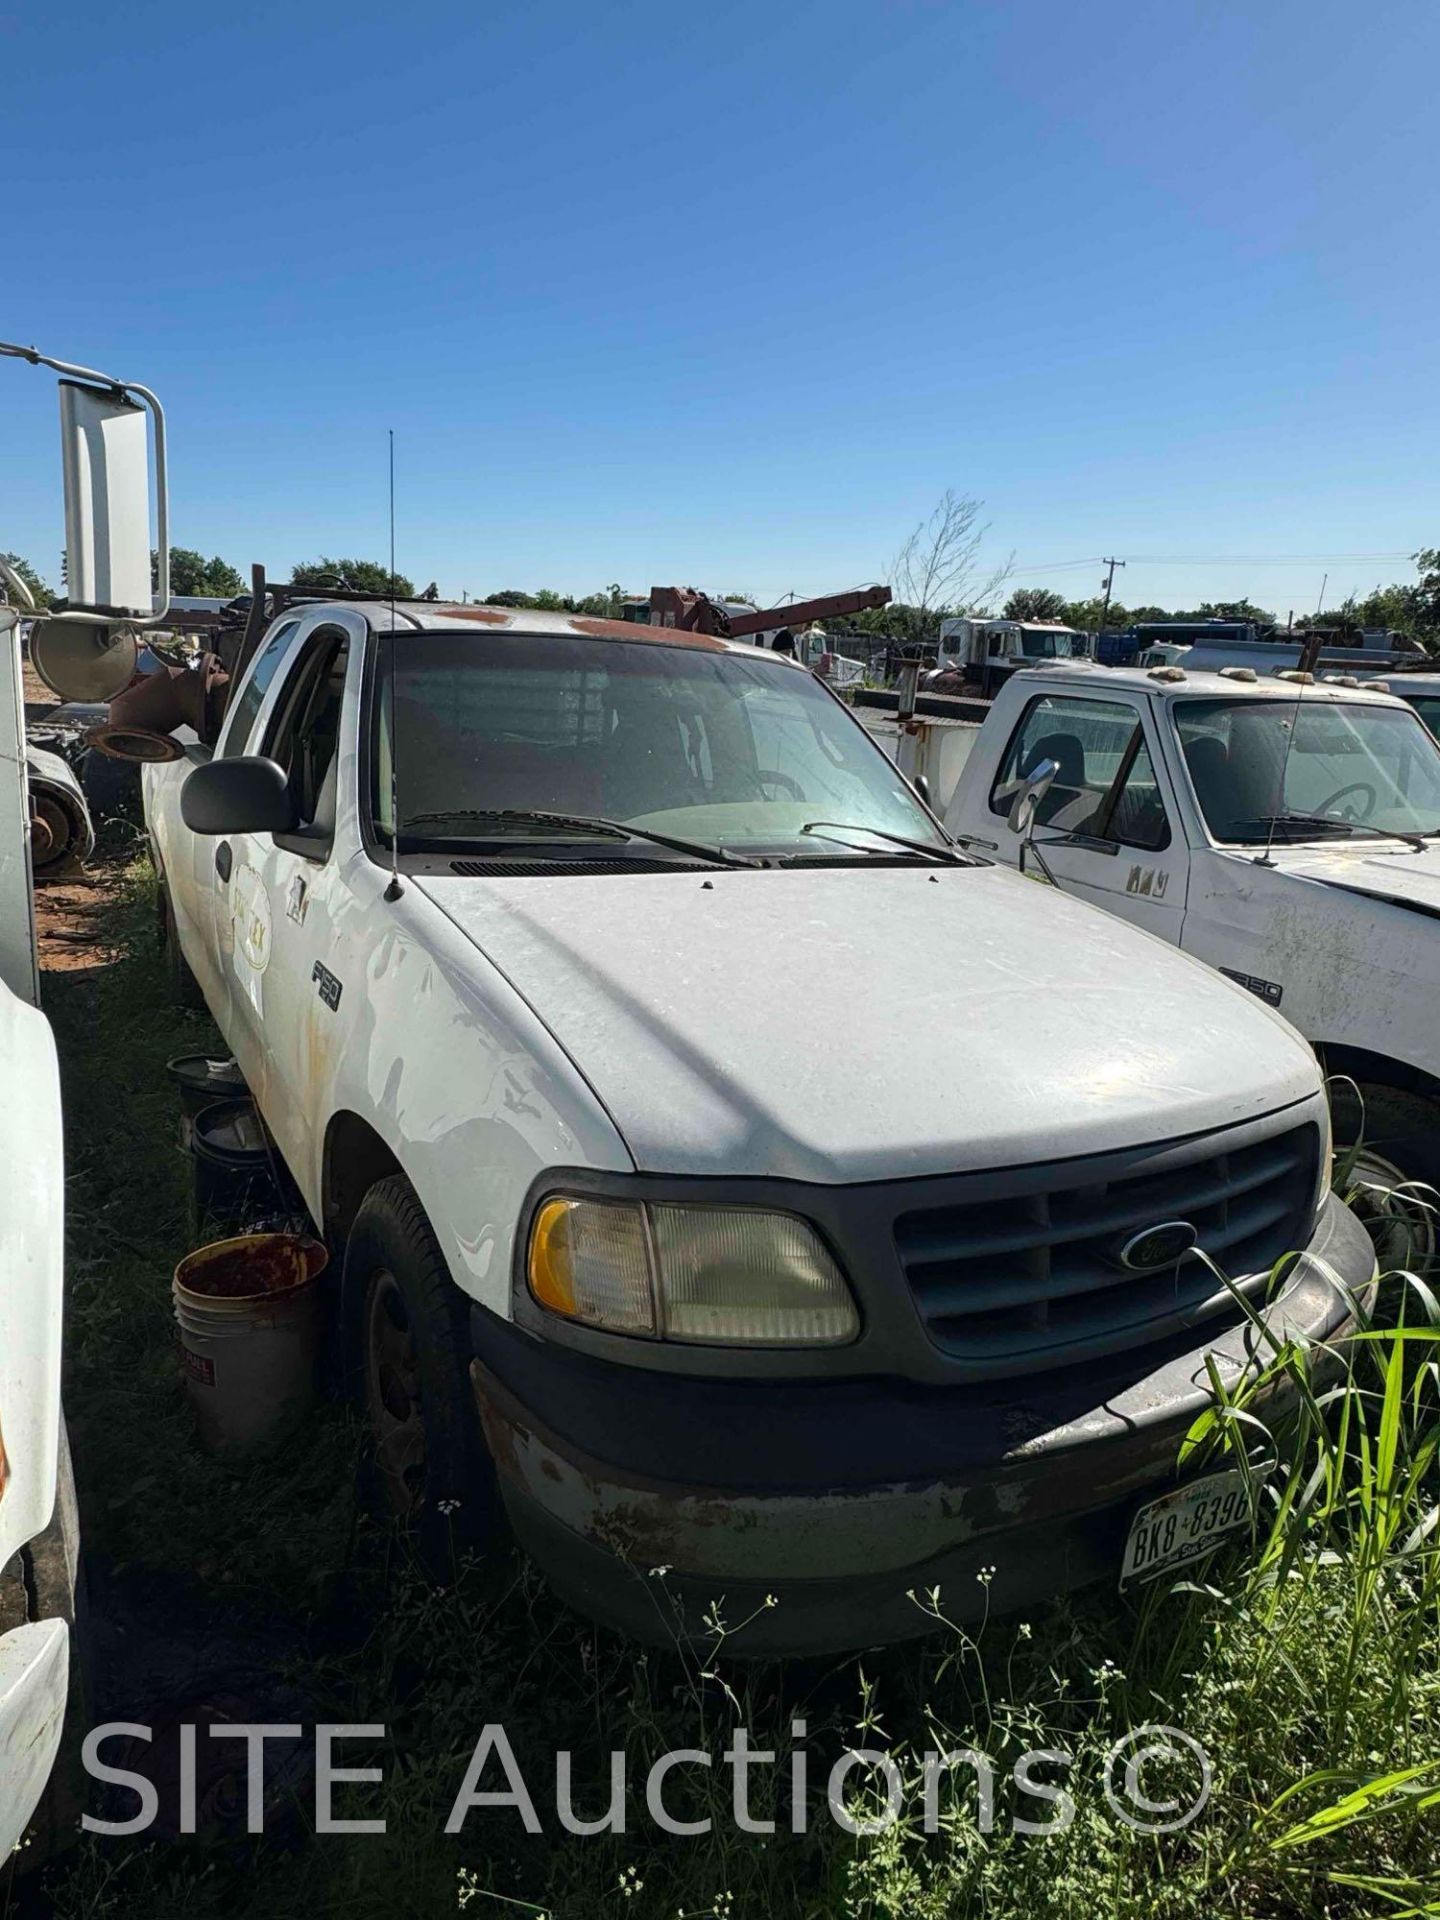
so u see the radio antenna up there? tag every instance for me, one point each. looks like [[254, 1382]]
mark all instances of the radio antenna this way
[[394, 890], [1305, 672]]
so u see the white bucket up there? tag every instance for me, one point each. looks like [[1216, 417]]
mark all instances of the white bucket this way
[[249, 1313]]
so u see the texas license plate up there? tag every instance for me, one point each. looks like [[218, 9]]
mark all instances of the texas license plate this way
[[1179, 1527]]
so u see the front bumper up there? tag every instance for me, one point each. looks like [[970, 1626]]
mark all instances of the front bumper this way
[[806, 1514]]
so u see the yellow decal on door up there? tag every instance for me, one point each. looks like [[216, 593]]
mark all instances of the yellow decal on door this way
[[250, 915]]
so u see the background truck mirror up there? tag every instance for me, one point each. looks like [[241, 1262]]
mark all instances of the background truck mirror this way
[[248, 794]]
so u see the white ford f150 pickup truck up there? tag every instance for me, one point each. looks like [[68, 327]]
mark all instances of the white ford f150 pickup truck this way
[[1287, 833], [521, 927]]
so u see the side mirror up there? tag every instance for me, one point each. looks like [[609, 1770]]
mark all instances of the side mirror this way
[[248, 794], [1027, 801], [922, 787]]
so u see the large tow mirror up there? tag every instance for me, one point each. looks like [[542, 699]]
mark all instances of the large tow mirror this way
[[248, 794], [105, 460], [105, 463], [1027, 801]]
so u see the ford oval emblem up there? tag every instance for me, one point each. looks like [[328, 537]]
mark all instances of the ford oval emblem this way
[[1158, 1246]]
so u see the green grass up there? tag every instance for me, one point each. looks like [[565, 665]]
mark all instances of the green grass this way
[[1309, 1667]]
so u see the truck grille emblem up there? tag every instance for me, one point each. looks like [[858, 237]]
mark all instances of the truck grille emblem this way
[[1158, 1246]]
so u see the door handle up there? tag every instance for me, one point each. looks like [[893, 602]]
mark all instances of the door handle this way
[[223, 860]]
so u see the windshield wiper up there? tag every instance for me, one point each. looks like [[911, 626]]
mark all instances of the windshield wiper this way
[[581, 823], [941, 850], [1332, 826]]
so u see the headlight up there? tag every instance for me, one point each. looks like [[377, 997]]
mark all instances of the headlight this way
[[723, 1276]]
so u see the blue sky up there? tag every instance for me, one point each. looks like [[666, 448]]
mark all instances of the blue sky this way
[[728, 294]]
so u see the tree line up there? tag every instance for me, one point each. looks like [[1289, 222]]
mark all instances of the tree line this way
[[937, 572], [1410, 607]]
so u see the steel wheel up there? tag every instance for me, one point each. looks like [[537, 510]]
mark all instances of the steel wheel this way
[[408, 1355], [393, 1397], [50, 832]]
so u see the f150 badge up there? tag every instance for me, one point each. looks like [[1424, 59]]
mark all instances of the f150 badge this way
[[330, 987]]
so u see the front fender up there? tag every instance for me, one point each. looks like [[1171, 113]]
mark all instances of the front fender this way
[[466, 1087]]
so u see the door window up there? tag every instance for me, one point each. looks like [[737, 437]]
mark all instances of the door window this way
[[1105, 787], [251, 697], [304, 730], [1137, 812]]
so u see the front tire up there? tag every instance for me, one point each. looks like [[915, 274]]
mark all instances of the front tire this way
[[410, 1357], [1387, 1138]]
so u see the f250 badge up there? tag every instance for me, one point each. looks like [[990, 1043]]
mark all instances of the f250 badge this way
[[330, 987]]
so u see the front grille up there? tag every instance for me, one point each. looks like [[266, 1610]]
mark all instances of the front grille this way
[[1031, 1278]]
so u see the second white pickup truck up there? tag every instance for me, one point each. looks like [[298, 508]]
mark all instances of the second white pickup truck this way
[[598, 984], [1287, 833]]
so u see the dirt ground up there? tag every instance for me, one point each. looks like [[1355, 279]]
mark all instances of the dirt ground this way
[[75, 921], [74, 918]]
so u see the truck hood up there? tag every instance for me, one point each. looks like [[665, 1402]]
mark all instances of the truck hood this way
[[873, 1023], [1391, 872]]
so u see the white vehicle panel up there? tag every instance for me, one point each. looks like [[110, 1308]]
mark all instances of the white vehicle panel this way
[[34, 1678], [696, 1008], [32, 1257]]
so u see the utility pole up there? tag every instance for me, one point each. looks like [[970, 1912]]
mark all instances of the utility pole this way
[[1109, 583]]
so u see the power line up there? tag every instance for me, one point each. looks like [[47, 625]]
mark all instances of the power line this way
[[1220, 560]]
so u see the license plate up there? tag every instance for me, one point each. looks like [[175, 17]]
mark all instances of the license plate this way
[[1180, 1526]]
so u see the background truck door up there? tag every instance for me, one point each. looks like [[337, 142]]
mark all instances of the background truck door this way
[[1107, 829]]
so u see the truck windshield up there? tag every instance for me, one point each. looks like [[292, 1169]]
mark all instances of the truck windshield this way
[[1309, 770], [1045, 646], [720, 748]]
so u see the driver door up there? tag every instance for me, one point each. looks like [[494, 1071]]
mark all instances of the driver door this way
[[284, 894], [1107, 830], [210, 867]]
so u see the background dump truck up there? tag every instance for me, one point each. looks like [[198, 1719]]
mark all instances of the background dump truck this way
[[1287, 833], [991, 650]]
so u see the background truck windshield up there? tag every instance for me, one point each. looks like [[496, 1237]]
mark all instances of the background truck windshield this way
[[718, 747], [1037, 645], [1352, 765]]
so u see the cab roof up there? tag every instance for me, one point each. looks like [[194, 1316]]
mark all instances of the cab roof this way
[[431, 616], [1178, 683]]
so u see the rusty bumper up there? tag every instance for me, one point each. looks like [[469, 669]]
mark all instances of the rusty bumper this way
[[813, 1517]]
